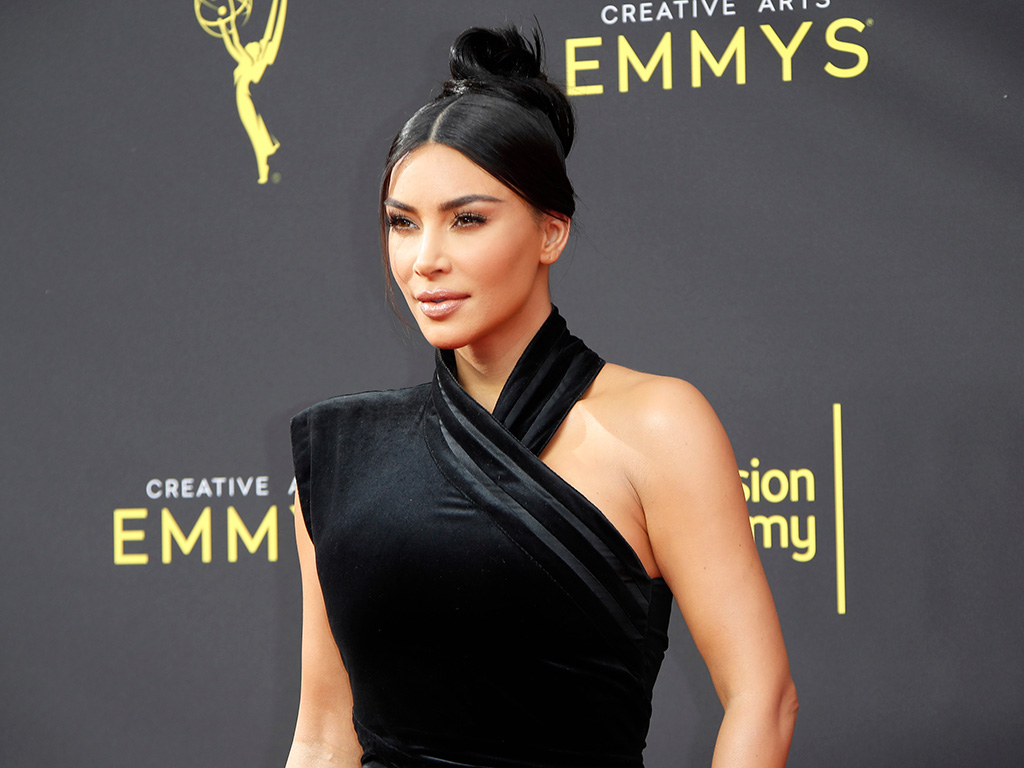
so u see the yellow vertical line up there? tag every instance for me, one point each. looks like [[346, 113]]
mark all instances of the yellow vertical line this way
[[837, 445]]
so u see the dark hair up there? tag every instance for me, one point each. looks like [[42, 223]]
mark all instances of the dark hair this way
[[500, 111]]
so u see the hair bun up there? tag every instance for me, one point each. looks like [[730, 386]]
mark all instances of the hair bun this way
[[483, 54], [505, 63]]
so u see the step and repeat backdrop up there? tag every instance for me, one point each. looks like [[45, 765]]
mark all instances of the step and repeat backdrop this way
[[813, 210]]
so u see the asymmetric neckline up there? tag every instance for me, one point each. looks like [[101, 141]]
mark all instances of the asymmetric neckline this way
[[553, 372]]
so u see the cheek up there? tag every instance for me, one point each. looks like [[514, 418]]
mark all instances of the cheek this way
[[511, 259], [397, 261]]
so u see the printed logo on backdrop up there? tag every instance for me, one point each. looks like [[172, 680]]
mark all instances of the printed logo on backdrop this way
[[251, 62], [597, 63], [785, 503], [204, 518], [208, 517]]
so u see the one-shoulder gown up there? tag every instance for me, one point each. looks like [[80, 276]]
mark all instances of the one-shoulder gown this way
[[489, 616]]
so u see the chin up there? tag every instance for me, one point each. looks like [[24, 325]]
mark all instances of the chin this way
[[452, 332], [443, 340]]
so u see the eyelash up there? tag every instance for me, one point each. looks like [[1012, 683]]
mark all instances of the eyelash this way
[[460, 220], [469, 219], [398, 222]]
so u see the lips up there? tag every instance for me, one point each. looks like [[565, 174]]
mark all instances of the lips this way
[[439, 303]]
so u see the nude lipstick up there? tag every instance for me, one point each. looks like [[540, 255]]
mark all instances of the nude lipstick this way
[[440, 303]]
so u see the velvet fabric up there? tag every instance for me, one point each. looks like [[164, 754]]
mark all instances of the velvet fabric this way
[[489, 616]]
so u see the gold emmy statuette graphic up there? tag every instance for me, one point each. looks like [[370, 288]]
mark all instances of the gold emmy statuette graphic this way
[[253, 60]]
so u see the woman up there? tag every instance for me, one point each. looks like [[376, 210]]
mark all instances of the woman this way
[[498, 550]]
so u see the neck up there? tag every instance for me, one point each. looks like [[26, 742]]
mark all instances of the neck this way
[[483, 368]]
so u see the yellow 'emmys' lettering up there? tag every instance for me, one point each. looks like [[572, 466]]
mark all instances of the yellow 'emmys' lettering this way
[[252, 61], [121, 536], [662, 54], [572, 66], [839, 45], [786, 51], [200, 531], [171, 534], [789, 532], [699, 50], [700, 54], [267, 530]]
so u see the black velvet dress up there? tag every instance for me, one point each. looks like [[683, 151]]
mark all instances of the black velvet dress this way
[[487, 613]]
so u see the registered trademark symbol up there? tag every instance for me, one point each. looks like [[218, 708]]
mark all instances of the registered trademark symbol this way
[[275, 177], [870, 22]]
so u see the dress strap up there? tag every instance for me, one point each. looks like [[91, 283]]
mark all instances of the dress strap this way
[[552, 374]]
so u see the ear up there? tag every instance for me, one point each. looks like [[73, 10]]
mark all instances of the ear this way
[[556, 235]]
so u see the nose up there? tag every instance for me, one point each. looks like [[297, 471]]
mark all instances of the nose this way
[[432, 256]]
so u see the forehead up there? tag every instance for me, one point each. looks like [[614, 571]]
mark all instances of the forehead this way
[[436, 171]]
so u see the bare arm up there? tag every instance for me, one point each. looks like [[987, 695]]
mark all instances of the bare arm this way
[[700, 533], [324, 735]]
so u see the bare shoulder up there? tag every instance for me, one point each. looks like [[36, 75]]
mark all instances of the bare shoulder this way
[[650, 452], [680, 465], [675, 445], [645, 409]]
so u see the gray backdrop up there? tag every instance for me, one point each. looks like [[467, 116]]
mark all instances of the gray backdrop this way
[[847, 236]]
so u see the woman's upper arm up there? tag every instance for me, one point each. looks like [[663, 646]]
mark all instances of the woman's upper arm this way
[[699, 529], [324, 734]]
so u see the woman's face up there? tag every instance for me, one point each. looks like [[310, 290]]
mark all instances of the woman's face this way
[[470, 256]]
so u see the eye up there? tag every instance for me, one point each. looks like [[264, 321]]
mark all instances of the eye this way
[[399, 222], [468, 219]]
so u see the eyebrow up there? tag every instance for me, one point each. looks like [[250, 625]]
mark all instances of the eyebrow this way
[[448, 205]]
